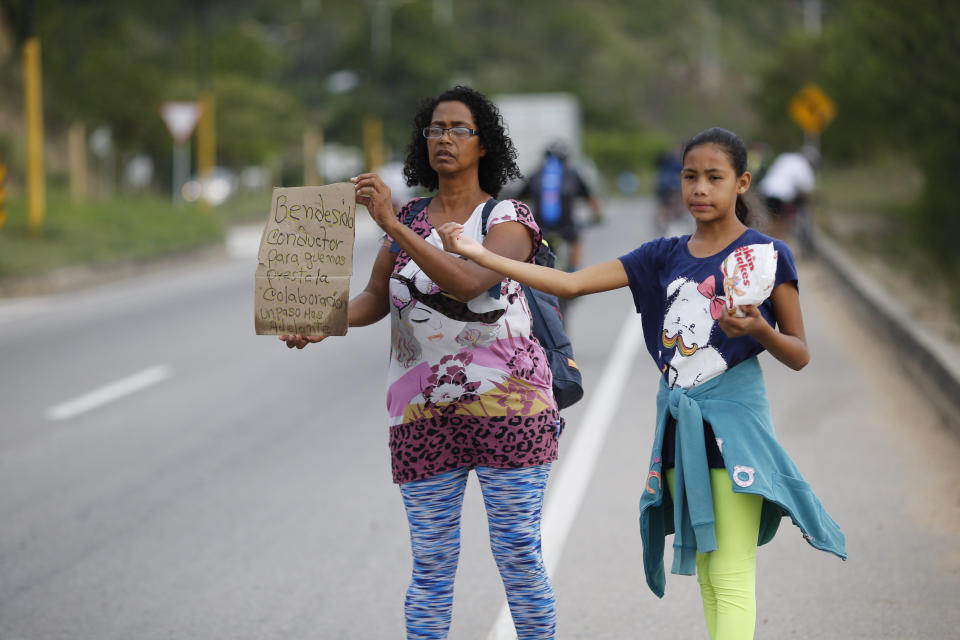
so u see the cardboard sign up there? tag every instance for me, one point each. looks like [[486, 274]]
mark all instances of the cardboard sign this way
[[305, 262]]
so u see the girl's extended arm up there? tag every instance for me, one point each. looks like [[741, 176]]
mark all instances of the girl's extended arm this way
[[789, 344], [599, 277], [462, 279]]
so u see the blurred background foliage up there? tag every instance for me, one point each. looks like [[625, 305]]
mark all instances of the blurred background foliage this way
[[648, 75], [646, 72]]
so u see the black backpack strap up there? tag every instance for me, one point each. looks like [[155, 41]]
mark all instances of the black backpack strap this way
[[416, 208], [487, 208], [494, 291]]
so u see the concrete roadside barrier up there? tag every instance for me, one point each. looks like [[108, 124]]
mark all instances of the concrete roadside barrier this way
[[934, 363]]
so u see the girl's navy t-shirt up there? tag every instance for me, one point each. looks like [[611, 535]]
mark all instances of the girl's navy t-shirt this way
[[679, 298]]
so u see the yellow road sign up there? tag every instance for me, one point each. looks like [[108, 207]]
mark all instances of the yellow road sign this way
[[812, 109]]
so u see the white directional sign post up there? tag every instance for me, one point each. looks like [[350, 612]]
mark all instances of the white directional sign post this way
[[181, 119]]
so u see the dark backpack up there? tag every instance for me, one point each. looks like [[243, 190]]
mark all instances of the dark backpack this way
[[547, 319]]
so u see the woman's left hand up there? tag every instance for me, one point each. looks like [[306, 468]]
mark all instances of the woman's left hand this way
[[374, 194], [750, 324]]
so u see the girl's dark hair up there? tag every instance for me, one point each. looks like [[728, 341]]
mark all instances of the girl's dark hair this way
[[736, 150], [497, 166]]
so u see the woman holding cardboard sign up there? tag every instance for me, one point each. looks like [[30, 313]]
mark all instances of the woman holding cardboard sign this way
[[469, 388]]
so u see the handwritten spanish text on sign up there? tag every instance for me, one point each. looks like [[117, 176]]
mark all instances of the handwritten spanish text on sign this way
[[305, 262]]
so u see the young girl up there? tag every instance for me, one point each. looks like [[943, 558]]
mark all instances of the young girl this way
[[728, 480]]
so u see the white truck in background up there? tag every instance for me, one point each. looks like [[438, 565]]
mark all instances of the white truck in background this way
[[534, 122], [537, 120]]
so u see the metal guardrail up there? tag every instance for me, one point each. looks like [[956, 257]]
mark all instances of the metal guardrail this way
[[934, 364]]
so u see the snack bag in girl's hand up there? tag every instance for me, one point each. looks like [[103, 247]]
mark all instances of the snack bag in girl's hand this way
[[749, 273]]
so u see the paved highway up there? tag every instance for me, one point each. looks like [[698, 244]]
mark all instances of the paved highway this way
[[165, 473]]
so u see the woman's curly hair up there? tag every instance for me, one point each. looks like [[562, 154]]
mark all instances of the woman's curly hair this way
[[497, 167]]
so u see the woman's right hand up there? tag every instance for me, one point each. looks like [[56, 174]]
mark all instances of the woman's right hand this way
[[373, 193], [300, 341], [454, 241]]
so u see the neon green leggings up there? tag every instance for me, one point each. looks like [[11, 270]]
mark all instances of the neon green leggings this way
[[728, 575]]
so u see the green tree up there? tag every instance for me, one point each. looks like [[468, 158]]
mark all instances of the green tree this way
[[906, 60], [645, 72], [892, 69], [114, 63]]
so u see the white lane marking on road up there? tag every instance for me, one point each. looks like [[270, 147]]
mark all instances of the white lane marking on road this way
[[109, 393], [570, 484]]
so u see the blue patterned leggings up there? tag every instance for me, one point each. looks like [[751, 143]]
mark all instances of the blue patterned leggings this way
[[513, 499]]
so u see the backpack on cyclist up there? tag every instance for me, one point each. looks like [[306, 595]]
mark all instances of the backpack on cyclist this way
[[547, 319]]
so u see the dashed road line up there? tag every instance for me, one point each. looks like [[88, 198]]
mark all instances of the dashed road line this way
[[109, 393]]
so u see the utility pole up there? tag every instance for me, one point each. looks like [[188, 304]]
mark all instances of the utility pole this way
[[3, 192], [207, 127], [312, 144], [380, 44], [380, 27], [709, 68], [33, 108], [372, 142], [812, 21], [207, 136], [77, 153], [442, 13]]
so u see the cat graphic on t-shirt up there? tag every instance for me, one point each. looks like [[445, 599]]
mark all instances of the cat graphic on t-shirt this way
[[689, 321]]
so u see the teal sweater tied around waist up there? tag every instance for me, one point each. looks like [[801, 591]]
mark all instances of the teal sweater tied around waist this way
[[735, 404]]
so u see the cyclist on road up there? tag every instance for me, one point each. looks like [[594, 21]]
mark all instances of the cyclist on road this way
[[786, 188], [553, 191], [670, 207]]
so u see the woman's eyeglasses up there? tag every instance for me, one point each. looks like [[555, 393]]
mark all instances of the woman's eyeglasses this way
[[455, 132]]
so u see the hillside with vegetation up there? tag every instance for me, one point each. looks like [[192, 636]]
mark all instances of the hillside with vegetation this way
[[646, 73]]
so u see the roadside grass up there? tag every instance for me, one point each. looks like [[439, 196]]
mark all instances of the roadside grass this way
[[121, 229], [870, 210], [883, 188]]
